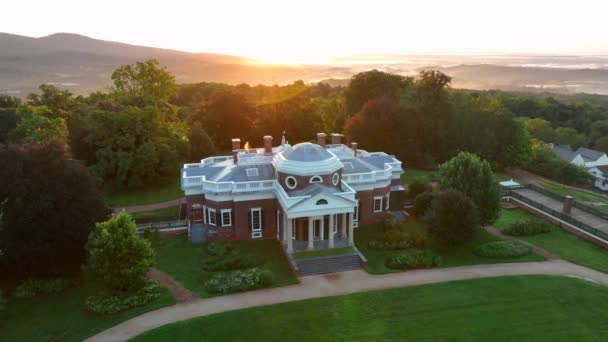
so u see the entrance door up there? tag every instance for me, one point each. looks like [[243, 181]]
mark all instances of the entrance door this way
[[317, 225]]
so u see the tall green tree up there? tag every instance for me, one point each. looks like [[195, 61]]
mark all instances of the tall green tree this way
[[48, 206], [201, 145], [34, 124], [144, 83], [58, 101], [540, 129], [569, 136], [452, 218], [368, 85], [473, 177], [117, 256]]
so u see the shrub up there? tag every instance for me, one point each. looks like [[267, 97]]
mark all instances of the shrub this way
[[152, 234], [236, 281], [32, 288], [111, 304], [391, 223], [452, 218], [503, 249], [231, 262], [413, 260], [417, 187], [422, 203], [528, 227], [391, 239], [417, 240]]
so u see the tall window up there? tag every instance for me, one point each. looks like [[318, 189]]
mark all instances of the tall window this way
[[212, 219], [256, 222], [377, 203], [226, 217]]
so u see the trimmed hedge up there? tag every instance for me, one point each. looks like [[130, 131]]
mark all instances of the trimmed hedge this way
[[237, 281], [528, 227], [413, 260], [33, 288], [110, 304], [503, 249]]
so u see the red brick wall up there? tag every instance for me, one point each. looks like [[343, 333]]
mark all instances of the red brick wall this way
[[366, 206]]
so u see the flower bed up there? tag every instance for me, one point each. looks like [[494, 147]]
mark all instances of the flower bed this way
[[503, 249], [528, 227], [413, 260], [111, 304], [237, 281]]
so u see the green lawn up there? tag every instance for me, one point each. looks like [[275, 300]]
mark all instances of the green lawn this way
[[455, 256], [62, 317], [323, 252], [586, 197], [161, 192], [568, 246], [184, 260], [164, 214], [526, 308], [410, 174]]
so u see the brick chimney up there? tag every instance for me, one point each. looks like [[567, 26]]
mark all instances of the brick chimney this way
[[268, 145], [353, 146], [321, 138], [336, 138], [568, 203], [236, 146]]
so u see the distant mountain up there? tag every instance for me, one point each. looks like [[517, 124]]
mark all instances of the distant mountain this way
[[84, 64]]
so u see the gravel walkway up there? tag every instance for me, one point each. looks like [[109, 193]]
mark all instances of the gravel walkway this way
[[337, 284]]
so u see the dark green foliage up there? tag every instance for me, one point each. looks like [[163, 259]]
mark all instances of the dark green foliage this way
[[8, 122], [32, 288], [391, 239], [503, 249], [117, 256], [49, 206], [108, 303], [2, 301], [547, 164], [368, 85], [528, 227], [201, 145], [417, 187], [422, 203], [452, 218], [413, 260], [143, 83], [237, 281], [473, 177], [418, 240]]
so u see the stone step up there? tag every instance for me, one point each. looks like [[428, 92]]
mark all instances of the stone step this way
[[329, 264]]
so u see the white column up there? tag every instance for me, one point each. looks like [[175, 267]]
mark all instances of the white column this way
[[351, 235], [311, 245], [344, 219], [289, 239], [330, 234]]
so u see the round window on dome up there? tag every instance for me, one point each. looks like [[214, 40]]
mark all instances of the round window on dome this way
[[291, 182], [335, 179]]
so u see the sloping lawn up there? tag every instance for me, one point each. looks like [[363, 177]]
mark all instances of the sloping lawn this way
[[163, 191], [62, 317], [184, 261], [568, 246], [527, 308], [164, 214], [455, 256], [597, 201]]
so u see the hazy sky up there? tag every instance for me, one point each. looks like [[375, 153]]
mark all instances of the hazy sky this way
[[313, 31]]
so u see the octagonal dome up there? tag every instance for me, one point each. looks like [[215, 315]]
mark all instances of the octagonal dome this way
[[307, 152]]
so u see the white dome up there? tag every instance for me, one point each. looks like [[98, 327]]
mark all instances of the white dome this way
[[307, 152], [306, 159]]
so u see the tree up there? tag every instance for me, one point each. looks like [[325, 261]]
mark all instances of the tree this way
[[540, 129], [368, 85], [473, 177], [7, 101], [146, 82], [418, 186], [201, 145], [569, 136], [34, 124], [117, 256], [58, 101], [48, 206], [601, 144], [452, 218], [8, 122]]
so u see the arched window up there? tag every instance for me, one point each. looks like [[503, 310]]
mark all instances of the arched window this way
[[321, 202], [316, 179], [291, 182]]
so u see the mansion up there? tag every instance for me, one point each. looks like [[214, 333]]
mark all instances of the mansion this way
[[306, 195]]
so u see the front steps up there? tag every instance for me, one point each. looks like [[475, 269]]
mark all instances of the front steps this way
[[328, 264]]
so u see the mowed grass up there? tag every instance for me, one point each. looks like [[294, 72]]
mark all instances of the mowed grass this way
[[596, 200], [62, 317], [184, 261], [164, 214], [161, 192], [410, 174], [323, 252], [454, 256], [568, 246], [525, 308]]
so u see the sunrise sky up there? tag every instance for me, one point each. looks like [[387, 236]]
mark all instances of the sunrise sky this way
[[315, 31]]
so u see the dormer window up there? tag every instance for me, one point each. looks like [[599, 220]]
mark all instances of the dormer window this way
[[252, 172], [316, 179]]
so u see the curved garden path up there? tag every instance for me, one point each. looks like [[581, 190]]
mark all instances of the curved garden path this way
[[337, 284], [179, 292]]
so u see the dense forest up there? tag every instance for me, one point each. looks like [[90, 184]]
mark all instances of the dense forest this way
[[147, 125]]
